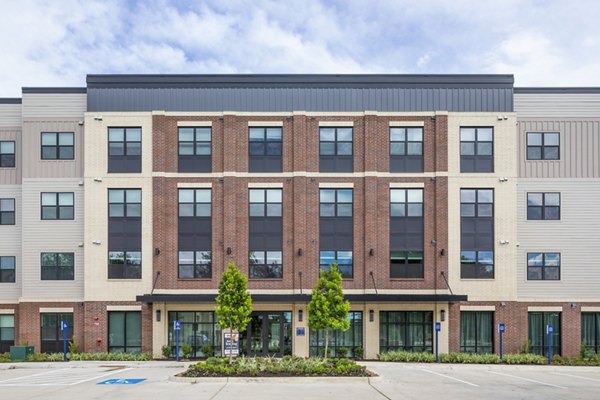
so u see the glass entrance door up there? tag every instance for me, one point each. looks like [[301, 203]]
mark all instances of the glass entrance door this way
[[268, 333]]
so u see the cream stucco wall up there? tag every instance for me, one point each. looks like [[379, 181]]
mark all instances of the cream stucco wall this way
[[97, 181], [503, 286]]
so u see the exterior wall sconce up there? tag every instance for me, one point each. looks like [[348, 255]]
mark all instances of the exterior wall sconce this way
[[156, 251], [371, 252], [157, 315], [442, 252], [299, 252], [371, 315], [229, 251], [300, 315], [443, 315]]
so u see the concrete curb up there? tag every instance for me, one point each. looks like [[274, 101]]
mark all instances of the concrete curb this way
[[290, 379], [96, 364]]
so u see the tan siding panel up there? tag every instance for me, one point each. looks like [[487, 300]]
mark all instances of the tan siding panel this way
[[575, 236], [10, 115], [579, 149], [10, 243], [35, 167], [553, 105], [54, 105], [12, 176], [51, 236]]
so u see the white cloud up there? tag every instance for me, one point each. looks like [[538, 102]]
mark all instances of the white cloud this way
[[50, 43]]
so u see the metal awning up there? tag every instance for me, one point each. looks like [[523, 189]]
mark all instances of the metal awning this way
[[299, 298]]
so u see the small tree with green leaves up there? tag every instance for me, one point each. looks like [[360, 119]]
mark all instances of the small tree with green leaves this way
[[327, 309], [234, 303]]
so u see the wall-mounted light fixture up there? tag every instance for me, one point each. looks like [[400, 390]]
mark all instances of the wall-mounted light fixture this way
[[157, 315], [97, 242], [503, 179], [442, 252], [300, 315], [443, 315], [156, 251], [371, 315], [300, 252], [97, 179], [433, 242], [371, 252], [229, 251], [573, 305], [98, 117]]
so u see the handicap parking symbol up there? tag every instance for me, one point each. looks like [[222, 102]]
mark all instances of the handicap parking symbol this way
[[121, 381]]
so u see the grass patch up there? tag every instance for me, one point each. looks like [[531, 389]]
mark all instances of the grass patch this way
[[468, 358], [273, 367]]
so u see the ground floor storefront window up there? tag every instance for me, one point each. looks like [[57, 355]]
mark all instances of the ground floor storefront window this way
[[406, 331], [476, 331], [198, 329], [7, 332], [52, 336], [590, 330], [339, 341], [538, 339], [125, 332]]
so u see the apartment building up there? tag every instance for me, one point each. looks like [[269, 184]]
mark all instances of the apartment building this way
[[131, 196]]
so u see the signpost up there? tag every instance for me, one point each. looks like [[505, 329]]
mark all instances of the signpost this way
[[231, 344], [501, 332], [64, 325], [438, 327], [549, 332], [177, 328]]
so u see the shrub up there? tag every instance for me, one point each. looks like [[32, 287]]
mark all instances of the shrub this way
[[73, 346], [342, 352], [166, 351], [359, 353], [4, 357], [207, 350], [187, 350]]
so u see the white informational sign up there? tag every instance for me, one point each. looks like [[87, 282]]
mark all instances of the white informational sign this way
[[231, 344]]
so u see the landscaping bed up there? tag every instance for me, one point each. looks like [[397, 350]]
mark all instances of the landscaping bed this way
[[467, 358], [287, 366], [42, 357]]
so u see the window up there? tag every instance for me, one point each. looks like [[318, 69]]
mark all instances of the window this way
[[543, 206], [336, 202], [335, 149], [590, 331], [124, 203], [51, 331], [543, 146], [543, 266], [338, 340], [476, 150], [7, 269], [265, 258], [58, 266], [266, 264], [195, 265], [58, 146], [125, 332], [195, 149], [7, 211], [538, 338], [124, 149], [7, 154], [195, 203], [198, 329], [406, 331], [265, 149], [406, 233], [342, 258], [7, 332], [476, 331], [58, 205], [124, 265], [477, 233], [406, 149]]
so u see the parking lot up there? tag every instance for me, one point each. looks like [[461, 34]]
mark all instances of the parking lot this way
[[394, 381]]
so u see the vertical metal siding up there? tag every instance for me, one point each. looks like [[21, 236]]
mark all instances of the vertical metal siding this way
[[12, 176], [10, 245]]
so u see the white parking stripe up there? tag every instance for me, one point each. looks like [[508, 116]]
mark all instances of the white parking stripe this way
[[29, 376], [576, 376], [447, 376], [101, 376], [528, 380], [61, 377]]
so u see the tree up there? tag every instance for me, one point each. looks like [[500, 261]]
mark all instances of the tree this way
[[327, 309], [234, 303]]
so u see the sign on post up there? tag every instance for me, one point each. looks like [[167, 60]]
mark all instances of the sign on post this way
[[300, 331], [64, 325], [177, 328], [438, 328], [231, 344], [549, 332], [501, 332]]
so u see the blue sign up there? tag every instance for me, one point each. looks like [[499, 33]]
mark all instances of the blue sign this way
[[65, 325], [438, 327], [501, 328], [121, 381], [177, 325], [300, 331], [549, 329]]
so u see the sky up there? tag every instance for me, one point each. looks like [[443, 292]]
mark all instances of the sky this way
[[58, 42]]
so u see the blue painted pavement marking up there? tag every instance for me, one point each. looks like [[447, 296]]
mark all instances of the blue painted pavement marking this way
[[129, 381]]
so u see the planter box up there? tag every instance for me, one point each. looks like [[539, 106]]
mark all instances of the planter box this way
[[19, 353]]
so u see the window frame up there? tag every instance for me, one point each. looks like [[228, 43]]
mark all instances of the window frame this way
[[57, 206], [14, 270], [195, 202], [477, 321], [542, 147], [13, 212], [56, 344], [57, 146], [480, 267], [336, 203], [5, 344], [8, 155], [404, 328], [596, 324], [325, 266], [125, 346], [271, 268], [125, 203], [130, 158], [58, 275], [476, 156], [254, 158], [557, 336], [356, 329], [336, 156], [396, 159], [196, 265], [543, 207], [126, 273], [543, 267], [194, 162]]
